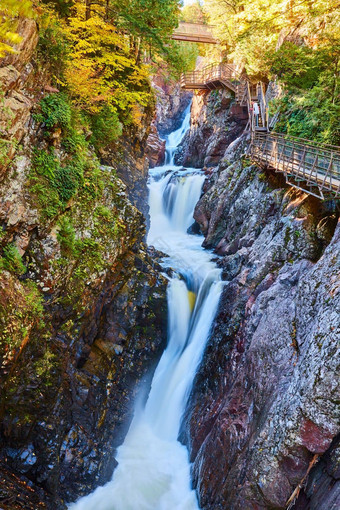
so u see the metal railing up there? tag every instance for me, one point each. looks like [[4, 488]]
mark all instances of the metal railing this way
[[213, 73], [315, 166]]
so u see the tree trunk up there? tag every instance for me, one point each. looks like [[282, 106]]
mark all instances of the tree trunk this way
[[88, 10]]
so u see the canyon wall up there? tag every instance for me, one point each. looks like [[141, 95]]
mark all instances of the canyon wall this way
[[264, 410], [82, 304], [215, 122]]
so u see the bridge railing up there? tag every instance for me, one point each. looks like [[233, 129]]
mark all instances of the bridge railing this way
[[209, 74], [313, 164], [196, 32]]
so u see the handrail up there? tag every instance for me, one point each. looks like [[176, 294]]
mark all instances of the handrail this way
[[210, 73], [315, 166], [195, 32]]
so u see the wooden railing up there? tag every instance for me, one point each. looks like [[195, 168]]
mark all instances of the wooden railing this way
[[311, 167], [211, 76], [194, 32]]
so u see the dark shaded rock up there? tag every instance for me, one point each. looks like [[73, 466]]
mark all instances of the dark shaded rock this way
[[322, 490], [171, 104]]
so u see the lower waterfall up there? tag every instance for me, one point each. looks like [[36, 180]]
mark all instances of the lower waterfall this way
[[153, 471]]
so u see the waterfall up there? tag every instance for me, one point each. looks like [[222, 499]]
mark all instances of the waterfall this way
[[153, 471]]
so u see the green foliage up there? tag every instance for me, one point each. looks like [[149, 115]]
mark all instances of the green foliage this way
[[55, 111], [11, 260], [53, 46], [53, 183], [68, 179], [250, 29], [310, 108], [63, 7], [299, 66], [105, 126], [310, 115], [149, 23], [66, 236], [103, 212]]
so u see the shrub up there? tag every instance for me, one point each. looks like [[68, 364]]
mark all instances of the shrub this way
[[53, 46], [66, 236], [105, 127], [12, 261], [55, 111]]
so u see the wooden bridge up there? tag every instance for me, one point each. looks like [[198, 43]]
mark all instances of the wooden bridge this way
[[194, 32], [311, 167], [211, 77]]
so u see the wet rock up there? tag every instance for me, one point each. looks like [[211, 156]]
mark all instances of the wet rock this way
[[84, 340]]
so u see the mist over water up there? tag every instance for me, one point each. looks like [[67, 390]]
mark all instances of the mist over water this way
[[153, 470]]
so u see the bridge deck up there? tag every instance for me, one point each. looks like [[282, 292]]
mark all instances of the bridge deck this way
[[211, 77], [194, 32], [310, 167]]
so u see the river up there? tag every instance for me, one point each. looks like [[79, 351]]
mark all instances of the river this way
[[153, 471]]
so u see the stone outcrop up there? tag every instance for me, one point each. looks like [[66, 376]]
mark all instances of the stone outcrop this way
[[264, 404], [171, 104], [155, 148], [215, 123], [16, 71]]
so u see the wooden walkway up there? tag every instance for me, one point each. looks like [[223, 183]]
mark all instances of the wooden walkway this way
[[312, 168], [212, 77], [308, 166], [194, 32]]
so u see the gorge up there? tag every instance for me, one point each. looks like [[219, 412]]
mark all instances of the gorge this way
[[169, 309]]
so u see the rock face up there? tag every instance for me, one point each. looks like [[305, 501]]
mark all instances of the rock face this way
[[170, 106], [215, 123], [16, 72], [155, 149], [82, 306], [264, 405]]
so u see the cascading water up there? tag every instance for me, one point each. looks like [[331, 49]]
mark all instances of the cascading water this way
[[153, 470]]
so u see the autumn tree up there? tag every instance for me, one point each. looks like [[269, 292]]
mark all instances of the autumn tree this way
[[10, 11]]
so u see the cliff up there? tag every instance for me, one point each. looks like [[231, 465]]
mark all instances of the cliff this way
[[215, 122], [82, 304], [264, 408]]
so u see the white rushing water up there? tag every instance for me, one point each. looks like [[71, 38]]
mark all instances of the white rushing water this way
[[153, 470]]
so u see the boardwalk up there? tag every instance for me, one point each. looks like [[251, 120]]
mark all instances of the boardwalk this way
[[212, 77], [306, 165], [194, 32]]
